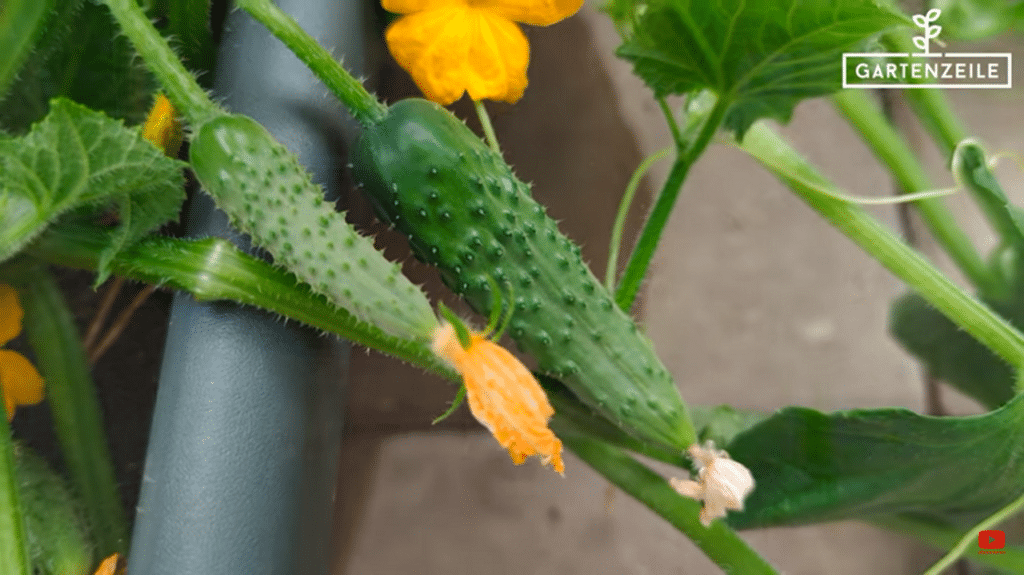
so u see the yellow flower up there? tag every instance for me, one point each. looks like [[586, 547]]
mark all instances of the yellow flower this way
[[161, 127], [455, 46], [109, 565], [21, 383], [503, 396]]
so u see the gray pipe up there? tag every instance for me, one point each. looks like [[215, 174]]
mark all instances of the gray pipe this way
[[242, 459]]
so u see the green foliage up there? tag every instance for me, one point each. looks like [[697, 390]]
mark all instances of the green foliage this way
[[54, 523], [978, 19], [951, 354], [77, 157], [813, 467], [81, 56], [22, 22], [762, 56]]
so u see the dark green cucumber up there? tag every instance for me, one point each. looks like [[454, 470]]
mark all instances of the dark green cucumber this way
[[466, 213], [268, 195]]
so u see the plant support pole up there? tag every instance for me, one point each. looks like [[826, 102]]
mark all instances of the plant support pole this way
[[242, 461]]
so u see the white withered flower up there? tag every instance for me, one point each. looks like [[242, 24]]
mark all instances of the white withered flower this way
[[721, 482]]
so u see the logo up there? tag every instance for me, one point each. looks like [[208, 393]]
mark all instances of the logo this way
[[927, 69], [991, 541]]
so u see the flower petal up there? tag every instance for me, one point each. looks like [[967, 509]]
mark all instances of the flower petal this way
[[498, 54], [11, 314], [22, 384], [533, 12], [411, 6], [455, 49], [431, 46], [109, 565], [503, 396], [161, 127]]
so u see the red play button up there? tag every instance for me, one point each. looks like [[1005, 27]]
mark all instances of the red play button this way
[[991, 539]]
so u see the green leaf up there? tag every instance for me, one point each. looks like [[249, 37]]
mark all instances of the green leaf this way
[[977, 19], [22, 23], [81, 56], [762, 56], [950, 353], [77, 157], [973, 171], [812, 467]]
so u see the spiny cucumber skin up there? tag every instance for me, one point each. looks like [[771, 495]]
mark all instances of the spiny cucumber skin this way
[[466, 213], [55, 527], [268, 195]]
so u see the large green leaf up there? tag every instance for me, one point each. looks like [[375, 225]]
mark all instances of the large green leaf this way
[[951, 354], [78, 157], [763, 56], [811, 466]]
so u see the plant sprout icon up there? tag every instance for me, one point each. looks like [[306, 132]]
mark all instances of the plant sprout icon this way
[[924, 21]]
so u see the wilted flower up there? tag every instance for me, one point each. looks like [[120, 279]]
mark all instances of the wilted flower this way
[[503, 396], [722, 483]]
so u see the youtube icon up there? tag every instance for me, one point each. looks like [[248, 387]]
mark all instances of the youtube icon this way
[[991, 541]]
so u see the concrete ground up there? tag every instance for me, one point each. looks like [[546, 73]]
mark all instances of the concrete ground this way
[[752, 301]]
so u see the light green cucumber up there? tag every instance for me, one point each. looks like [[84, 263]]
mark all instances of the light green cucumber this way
[[268, 195], [466, 213]]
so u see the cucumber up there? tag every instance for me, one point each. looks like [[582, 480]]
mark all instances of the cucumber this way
[[466, 213], [268, 195]]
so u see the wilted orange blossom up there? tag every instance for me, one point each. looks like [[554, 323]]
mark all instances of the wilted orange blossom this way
[[21, 383], [503, 396], [455, 46]]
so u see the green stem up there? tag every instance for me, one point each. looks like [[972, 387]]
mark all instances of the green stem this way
[[891, 149], [874, 238], [14, 559], [187, 96], [642, 254], [929, 104], [360, 103], [944, 537], [720, 543], [972, 535], [485, 123], [76, 411], [620, 216], [214, 269], [673, 126]]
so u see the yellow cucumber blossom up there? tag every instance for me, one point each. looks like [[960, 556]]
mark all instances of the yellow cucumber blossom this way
[[503, 396], [162, 128], [455, 46], [109, 566], [21, 383], [722, 483]]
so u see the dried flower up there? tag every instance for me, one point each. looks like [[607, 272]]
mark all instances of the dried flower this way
[[503, 396], [722, 483], [455, 46], [21, 382]]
